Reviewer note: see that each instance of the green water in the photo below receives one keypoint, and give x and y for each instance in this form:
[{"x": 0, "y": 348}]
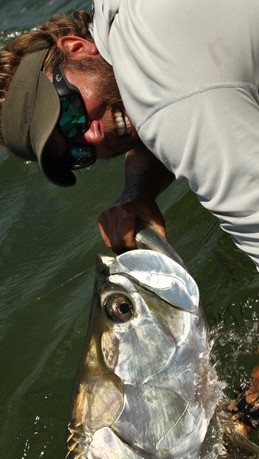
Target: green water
[{"x": 49, "y": 241}]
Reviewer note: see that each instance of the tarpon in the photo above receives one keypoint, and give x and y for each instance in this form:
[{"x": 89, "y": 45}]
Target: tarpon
[{"x": 147, "y": 388}]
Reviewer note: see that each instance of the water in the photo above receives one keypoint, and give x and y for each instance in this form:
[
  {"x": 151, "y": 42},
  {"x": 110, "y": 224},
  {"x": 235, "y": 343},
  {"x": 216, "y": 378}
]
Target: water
[{"x": 49, "y": 241}]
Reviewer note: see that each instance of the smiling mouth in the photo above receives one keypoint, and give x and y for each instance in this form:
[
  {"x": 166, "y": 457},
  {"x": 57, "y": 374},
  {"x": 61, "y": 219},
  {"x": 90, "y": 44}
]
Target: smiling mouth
[{"x": 122, "y": 123}]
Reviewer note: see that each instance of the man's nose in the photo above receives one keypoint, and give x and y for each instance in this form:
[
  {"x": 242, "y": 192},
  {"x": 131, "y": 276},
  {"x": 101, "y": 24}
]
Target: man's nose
[{"x": 93, "y": 135}]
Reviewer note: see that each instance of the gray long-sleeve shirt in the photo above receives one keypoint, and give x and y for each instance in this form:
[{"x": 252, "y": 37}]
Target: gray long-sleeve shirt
[{"x": 188, "y": 73}]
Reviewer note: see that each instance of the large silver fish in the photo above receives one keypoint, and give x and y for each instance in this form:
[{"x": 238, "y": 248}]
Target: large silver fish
[{"x": 147, "y": 388}]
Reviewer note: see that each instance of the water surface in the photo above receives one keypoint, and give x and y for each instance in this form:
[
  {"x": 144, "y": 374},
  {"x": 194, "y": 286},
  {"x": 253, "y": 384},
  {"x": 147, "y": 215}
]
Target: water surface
[{"x": 48, "y": 244}]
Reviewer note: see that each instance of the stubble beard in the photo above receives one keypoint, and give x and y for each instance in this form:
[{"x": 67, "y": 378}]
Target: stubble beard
[{"x": 106, "y": 85}]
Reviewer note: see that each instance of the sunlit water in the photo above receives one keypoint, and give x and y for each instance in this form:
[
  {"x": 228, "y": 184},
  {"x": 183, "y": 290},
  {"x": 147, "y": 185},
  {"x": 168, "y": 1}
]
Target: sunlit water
[{"x": 49, "y": 241}]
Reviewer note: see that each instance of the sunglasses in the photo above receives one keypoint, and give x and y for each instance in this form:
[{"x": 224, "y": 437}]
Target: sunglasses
[{"x": 73, "y": 120}]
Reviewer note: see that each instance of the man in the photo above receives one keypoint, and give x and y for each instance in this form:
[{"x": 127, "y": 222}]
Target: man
[{"x": 187, "y": 106}]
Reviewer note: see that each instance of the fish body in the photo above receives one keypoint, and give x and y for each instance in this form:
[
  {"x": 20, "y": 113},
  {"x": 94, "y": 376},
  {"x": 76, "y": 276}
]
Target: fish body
[{"x": 147, "y": 388}]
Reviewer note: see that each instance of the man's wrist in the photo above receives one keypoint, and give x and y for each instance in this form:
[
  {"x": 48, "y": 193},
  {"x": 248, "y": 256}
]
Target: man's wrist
[{"x": 127, "y": 196}]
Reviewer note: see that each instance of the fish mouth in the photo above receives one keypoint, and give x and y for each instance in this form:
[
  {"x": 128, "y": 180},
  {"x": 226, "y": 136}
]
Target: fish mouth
[
  {"x": 103, "y": 264},
  {"x": 146, "y": 238}
]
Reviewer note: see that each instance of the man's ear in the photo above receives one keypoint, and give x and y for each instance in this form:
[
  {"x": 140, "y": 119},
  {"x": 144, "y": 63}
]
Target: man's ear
[{"x": 77, "y": 47}]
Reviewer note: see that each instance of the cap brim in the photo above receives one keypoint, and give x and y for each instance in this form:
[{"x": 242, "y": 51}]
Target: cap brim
[
  {"x": 44, "y": 120},
  {"x": 30, "y": 114}
]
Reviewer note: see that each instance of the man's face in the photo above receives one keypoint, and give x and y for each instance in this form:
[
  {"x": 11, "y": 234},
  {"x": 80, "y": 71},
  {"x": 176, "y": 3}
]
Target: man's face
[{"x": 109, "y": 131}]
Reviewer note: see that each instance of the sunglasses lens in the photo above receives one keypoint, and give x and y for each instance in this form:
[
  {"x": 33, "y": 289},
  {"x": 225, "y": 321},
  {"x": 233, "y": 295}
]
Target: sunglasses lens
[
  {"x": 73, "y": 120},
  {"x": 82, "y": 156}
]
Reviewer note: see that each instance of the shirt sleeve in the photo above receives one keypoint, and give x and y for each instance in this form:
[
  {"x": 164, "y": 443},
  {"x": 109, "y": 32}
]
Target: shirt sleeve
[
  {"x": 104, "y": 13},
  {"x": 211, "y": 138}
]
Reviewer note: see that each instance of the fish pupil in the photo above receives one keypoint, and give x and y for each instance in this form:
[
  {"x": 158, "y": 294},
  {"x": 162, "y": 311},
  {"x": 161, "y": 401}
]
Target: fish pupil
[{"x": 124, "y": 308}]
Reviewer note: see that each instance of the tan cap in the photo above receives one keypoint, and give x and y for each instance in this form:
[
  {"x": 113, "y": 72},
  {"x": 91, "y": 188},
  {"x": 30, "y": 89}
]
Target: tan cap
[{"x": 30, "y": 114}]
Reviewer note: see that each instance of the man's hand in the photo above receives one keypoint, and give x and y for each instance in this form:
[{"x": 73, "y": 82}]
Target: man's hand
[
  {"x": 118, "y": 225},
  {"x": 145, "y": 178}
]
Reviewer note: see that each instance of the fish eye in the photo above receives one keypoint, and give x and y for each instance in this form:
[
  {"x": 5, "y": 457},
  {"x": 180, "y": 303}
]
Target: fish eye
[{"x": 118, "y": 307}]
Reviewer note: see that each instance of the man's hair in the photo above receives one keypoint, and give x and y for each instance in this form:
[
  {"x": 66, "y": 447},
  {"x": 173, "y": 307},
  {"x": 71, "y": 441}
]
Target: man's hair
[{"x": 43, "y": 36}]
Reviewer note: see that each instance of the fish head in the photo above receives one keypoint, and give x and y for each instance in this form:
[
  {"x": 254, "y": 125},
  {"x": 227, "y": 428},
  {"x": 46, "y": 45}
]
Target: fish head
[
  {"x": 141, "y": 390},
  {"x": 148, "y": 302},
  {"x": 146, "y": 355}
]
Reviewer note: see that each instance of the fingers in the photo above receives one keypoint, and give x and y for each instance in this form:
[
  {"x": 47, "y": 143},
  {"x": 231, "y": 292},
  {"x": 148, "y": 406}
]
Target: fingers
[
  {"x": 117, "y": 228},
  {"x": 152, "y": 217},
  {"x": 118, "y": 225}
]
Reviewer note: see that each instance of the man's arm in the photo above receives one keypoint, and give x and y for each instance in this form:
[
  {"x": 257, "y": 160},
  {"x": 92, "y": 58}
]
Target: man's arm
[{"x": 145, "y": 178}]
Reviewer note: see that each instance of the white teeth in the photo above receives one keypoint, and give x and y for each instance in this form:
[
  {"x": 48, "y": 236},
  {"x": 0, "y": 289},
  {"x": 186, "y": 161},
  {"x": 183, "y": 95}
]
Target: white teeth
[{"x": 122, "y": 124}]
